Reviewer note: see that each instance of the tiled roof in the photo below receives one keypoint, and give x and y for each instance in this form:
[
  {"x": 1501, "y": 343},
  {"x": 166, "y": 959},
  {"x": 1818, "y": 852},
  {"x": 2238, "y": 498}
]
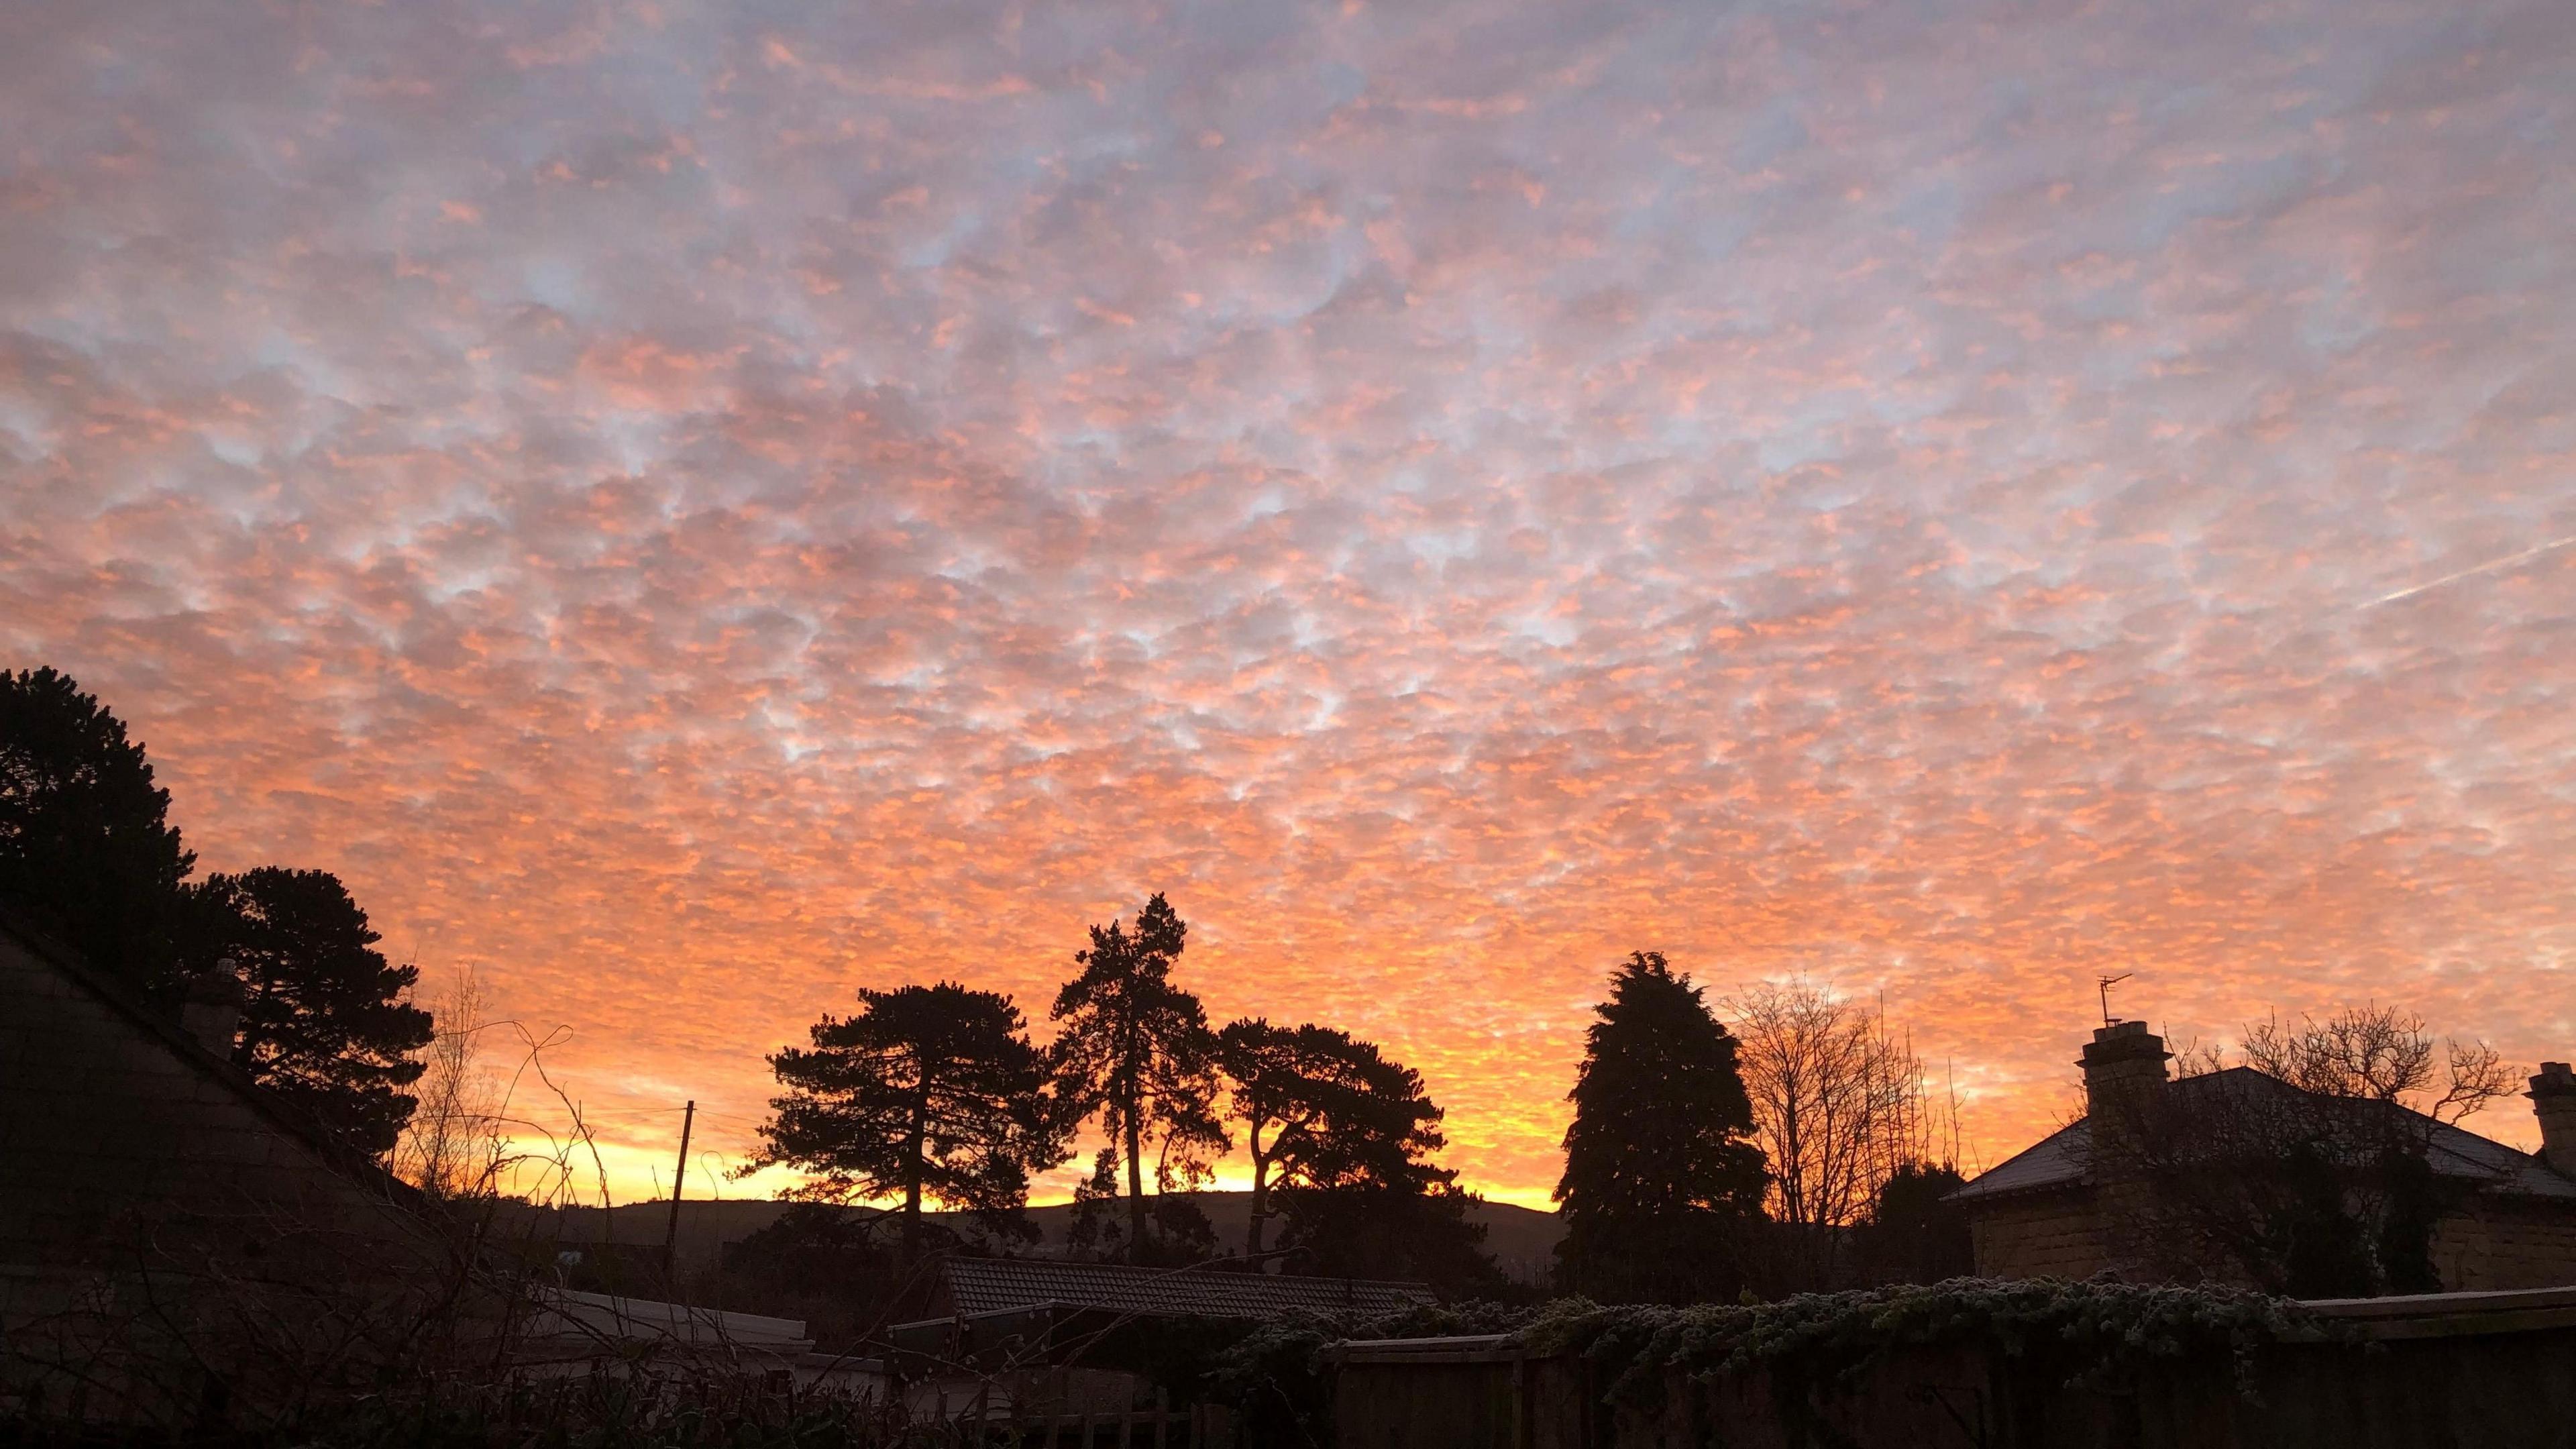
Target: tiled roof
[
  {"x": 2059, "y": 1158},
  {"x": 993, "y": 1285}
]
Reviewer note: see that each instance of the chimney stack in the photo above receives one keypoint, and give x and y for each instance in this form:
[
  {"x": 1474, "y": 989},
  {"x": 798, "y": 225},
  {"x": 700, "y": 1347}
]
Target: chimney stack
[
  {"x": 213, "y": 1009},
  {"x": 2124, "y": 1069},
  {"x": 2124, "y": 1057},
  {"x": 2553, "y": 1101}
]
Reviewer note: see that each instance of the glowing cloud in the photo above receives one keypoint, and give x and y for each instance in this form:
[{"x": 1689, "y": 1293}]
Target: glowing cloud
[{"x": 694, "y": 510}]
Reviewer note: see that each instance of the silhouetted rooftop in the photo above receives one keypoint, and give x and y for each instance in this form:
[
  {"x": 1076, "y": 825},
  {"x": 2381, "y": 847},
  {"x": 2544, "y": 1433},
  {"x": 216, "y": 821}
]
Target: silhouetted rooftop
[
  {"x": 2061, "y": 1158},
  {"x": 995, "y": 1285}
]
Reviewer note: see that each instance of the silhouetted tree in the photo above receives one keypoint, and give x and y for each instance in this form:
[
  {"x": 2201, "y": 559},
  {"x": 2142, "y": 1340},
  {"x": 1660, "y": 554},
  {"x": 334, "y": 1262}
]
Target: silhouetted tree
[
  {"x": 1341, "y": 1139},
  {"x": 456, "y": 1143},
  {"x": 822, "y": 1262},
  {"x": 326, "y": 1023},
  {"x": 1094, "y": 1232},
  {"x": 87, "y": 849},
  {"x": 1658, "y": 1174},
  {"x": 85, "y": 843},
  {"x": 1320, "y": 1108},
  {"x": 1136, "y": 1049},
  {"x": 1916, "y": 1234},
  {"x": 1838, "y": 1108},
  {"x": 928, "y": 1092},
  {"x": 1365, "y": 1230},
  {"x": 1182, "y": 1232}
]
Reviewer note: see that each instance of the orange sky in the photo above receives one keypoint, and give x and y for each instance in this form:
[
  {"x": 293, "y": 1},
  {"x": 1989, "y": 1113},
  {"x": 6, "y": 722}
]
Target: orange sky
[{"x": 691, "y": 515}]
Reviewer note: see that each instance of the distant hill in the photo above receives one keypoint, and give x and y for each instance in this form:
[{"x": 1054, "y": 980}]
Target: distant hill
[{"x": 1521, "y": 1239}]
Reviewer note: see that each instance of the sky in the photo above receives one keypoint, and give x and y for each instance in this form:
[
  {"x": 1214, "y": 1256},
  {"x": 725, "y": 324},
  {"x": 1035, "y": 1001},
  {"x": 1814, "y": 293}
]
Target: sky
[{"x": 694, "y": 511}]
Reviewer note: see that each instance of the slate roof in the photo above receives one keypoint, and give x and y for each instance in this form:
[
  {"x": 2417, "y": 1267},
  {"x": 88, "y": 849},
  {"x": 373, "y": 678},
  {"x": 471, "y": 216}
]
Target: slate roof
[
  {"x": 995, "y": 1285},
  {"x": 2058, "y": 1160}
]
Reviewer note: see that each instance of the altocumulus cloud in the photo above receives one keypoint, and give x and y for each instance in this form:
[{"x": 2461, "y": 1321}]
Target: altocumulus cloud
[{"x": 698, "y": 509}]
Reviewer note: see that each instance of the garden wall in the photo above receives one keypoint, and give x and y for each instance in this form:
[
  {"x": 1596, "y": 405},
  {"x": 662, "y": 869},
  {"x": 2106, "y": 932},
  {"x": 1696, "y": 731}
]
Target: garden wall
[{"x": 2489, "y": 1370}]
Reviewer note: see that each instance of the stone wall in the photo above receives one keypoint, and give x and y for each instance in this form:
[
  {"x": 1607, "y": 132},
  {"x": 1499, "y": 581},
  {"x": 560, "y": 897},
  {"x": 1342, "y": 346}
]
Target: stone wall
[
  {"x": 2495, "y": 1243},
  {"x": 2042, "y": 1235},
  {"x": 2504, "y": 1243}
]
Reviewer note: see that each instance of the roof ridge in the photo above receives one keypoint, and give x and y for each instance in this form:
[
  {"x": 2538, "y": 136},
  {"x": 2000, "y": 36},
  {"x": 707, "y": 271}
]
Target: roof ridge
[{"x": 2056, "y": 1160}]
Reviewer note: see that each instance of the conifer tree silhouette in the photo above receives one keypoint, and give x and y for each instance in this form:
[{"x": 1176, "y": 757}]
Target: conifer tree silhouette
[
  {"x": 928, "y": 1092},
  {"x": 1657, "y": 1168},
  {"x": 1136, "y": 1050},
  {"x": 325, "y": 1024},
  {"x": 86, "y": 847}
]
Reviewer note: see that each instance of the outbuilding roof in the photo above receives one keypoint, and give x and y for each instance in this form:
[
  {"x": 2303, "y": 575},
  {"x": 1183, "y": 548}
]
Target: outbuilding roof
[{"x": 995, "y": 1285}]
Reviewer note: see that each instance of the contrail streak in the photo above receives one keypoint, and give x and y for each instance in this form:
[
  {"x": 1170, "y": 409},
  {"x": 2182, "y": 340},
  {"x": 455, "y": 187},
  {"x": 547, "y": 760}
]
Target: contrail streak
[{"x": 2526, "y": 556}]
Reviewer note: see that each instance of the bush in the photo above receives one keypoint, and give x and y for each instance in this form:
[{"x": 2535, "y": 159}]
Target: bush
[{"x": 2108, "y": 1328}]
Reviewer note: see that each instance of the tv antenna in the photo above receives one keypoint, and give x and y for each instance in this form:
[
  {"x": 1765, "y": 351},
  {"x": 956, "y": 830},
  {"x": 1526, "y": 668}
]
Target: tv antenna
[{"x": 2105, "y": 983}]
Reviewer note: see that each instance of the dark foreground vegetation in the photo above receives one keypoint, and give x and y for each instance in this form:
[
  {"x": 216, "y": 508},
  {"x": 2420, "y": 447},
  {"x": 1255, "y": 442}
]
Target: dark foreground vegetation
[
  {"x": 1276, "y": 1378},
  {"x": 603, "y": 1411}
]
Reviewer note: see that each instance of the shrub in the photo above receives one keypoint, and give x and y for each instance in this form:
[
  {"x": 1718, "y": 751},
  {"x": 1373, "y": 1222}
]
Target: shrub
[{"x": 2108, "y": 1329}]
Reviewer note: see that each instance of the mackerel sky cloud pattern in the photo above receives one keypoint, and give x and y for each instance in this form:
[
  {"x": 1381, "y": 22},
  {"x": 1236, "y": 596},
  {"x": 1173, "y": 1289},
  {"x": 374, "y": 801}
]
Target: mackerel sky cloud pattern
[{"x": 694, "y": 510}]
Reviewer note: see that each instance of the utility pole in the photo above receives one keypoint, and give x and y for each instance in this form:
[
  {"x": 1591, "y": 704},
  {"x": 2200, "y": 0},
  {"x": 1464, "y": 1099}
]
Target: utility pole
[{"x": 671, "y": 1234}]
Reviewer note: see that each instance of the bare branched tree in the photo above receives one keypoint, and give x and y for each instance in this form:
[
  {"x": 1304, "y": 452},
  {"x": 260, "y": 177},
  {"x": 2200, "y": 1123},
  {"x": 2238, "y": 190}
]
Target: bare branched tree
[
  {"x": 1838, "y": 1108},
  {"x": 454, "y": 1144},
  {"x": 2380, "y": 1054},
  {"x": 2310, "y": 1174}
]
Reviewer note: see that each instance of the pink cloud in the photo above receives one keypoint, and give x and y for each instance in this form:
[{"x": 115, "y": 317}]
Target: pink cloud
[{"x": 694, "y": 518}]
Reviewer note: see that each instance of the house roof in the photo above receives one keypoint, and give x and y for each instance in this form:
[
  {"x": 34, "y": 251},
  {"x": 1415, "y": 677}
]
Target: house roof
[
  {"x": 164, "y": 1027},
  {"x": 2060, "y": 1159},
  {"x": 995, "y": 1285}
]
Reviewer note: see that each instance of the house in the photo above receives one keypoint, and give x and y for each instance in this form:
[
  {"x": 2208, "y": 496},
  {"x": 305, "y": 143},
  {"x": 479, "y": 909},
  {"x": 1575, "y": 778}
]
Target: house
[
  {"x": 161, "y": 1216},
  {"x": 2068, "y": 1205}
]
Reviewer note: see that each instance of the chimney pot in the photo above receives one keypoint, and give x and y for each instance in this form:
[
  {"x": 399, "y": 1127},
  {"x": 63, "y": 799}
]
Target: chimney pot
[{"x": 212, "y": 1010}]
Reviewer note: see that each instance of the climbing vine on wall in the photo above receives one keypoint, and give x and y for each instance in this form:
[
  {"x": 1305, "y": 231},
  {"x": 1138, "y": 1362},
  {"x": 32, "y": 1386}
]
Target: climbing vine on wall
[{"x": 2106, "y": 1329}]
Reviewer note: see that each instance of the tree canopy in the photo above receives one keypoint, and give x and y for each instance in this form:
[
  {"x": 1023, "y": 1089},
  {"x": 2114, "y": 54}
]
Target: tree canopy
[
  {"x": 1915, "y": 1233},
  {"x": 1324, "y": 1110},
  {"x": 1657, "y": 1165},
  {"x": 85, "y": 840},
  {"x": 87, "y": 849},
  {"x": 1349, "y": 1163},
  {"x": 326, "y": 1023},
  {"x": 1136, "y": 1050},
  {"x": 927, "y": 1093}
]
